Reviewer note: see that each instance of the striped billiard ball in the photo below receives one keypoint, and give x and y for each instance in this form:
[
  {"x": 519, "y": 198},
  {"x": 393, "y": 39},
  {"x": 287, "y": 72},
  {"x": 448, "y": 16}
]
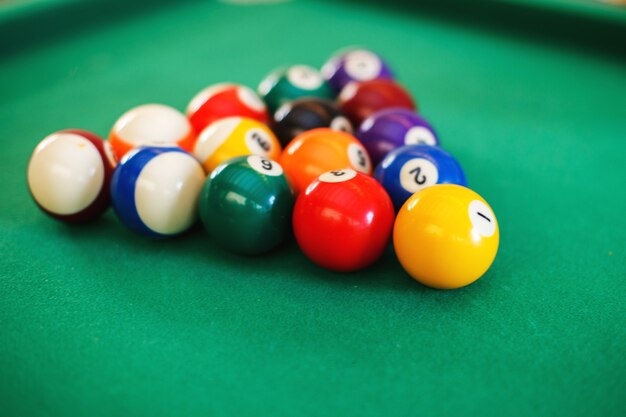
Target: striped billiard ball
[
  {"x": 151, "y": 125},
  {"x": 155, "y": 190},
  {"x": 69, "y": 174},
  {"x": 223, "y": 100}
]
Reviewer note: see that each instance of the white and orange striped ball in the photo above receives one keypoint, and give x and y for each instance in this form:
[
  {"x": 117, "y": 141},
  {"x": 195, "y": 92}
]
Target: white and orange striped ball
[{"x": 151, "y": 125}]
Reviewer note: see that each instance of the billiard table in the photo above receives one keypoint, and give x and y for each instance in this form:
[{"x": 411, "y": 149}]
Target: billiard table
[{"x": 528, "y": 95}]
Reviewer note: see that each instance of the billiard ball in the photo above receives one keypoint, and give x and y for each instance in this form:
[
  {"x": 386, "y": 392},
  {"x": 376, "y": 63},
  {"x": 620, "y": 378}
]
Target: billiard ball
[
  {"x": 68, "y": 175},
  {"x": 446, "y": 236},
  {"x": 388, "y": 129},
  {"x": 409, "y": 169},
  {"x": 354, "y": 65},
  {"x": 151, "y": 125},
  {"x": 155, "y": 190},
  {"x": 343, "y": 220},
  {"x": 319, "y": 150},
  {"x": 234, "y": 136},
  {"x": 246, "y": 205},
  {"x": 225, "y": 100},
  {"x": 287, "y": 84},
  {"x": 359, "y": 100},
  {"x": 304, "y": 114}
]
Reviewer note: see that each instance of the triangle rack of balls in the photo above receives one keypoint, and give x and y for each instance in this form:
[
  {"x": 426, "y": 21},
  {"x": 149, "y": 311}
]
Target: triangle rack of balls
[{"x": 339, "y": 158}]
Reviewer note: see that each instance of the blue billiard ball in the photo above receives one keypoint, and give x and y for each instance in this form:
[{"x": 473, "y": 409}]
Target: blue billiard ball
[
  {"x": 155, "y": 190},
  {"x": 409, "y": 169}
]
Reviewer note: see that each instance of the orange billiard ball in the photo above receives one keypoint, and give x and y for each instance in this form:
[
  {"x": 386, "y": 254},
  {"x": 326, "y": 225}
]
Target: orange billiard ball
[
  {"x": 320, "y": 150},
  {"x": 446, "y": 236}
]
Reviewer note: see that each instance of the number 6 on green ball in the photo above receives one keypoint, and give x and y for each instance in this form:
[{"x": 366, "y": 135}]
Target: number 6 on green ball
[{"x": 246, "y": 205}]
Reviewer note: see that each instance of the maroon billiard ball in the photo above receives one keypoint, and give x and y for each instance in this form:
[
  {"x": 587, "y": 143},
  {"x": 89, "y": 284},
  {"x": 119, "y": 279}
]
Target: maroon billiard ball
[{"x": 359, "y": 100}]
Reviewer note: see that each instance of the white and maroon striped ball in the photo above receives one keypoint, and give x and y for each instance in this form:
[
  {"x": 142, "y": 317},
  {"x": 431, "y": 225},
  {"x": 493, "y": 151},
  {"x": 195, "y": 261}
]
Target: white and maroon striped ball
[{"x": 68, "y": 175}]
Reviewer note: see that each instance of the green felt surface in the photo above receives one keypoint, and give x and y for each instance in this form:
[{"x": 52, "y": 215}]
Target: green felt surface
[{"x": 97, "y": 321}]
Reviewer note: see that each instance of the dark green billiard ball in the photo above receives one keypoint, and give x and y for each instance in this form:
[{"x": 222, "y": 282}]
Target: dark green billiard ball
[
  {"x": 287, "y": 84},
  {"x": 246, "y": 205}
]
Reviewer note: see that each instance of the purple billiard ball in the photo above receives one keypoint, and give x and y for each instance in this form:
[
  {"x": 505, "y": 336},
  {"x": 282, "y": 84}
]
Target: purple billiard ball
[
  {"x": 354, "y": 65},
  {"x": 389, "y": 129}
]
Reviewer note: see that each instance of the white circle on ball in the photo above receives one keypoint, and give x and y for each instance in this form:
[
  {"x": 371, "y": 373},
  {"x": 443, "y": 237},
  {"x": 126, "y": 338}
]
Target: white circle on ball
[
  {"x": 265, "y": 166},
  {"x": 359, "y": 159},
  {"x": 258, "y": 141},
  {"x": 304, "y": 77},
  {"x": 213, "y": 136},
  {"x": 337, "y": 175},
  {"x": 419, "y": 135},
  {"x": 482, "y": 218},
  {"x": 66, "y": 173},
  {"x": 417, "y": 174},
  {"x": 152, "y": 125},
  {"x": 362, "y": 65},
  {"x": 167, "y": 192},
  {"x": 250, "y": 99},
  {"x": 342, "y": 124}
]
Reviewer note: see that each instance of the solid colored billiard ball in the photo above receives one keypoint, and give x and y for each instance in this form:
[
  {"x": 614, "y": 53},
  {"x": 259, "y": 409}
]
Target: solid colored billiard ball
[
  {"x": 246, "y": 205},
  {"x": 354, "y": 65},
  {"x": 225, "y": 100},
  {"x": 409, "y": 169},
  {"x": 446, "y": 236},
  {"x": 319, "y": 150},
  {"x": 155, "y": 190},
  {"x": 234, "y": 136},
  {"x": 68, "y": 175},
  {"x": 304, "y": 114},
  {"x": 343, "y": 220},
  {"x": 388, "y": 129},
  {"x": 287, "y": 84},
  {"x": 151, "y": 125},
  {"x": 359, "y": 100}
]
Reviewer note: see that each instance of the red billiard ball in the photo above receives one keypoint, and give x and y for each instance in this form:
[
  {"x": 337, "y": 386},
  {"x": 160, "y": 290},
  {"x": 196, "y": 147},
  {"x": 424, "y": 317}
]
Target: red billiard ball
[
  {"x": 359, "y": 100},
  {"x": 343, "y": 220},
  {"x": 69, "y": 175},
  {"x": 225, "y": 100}
]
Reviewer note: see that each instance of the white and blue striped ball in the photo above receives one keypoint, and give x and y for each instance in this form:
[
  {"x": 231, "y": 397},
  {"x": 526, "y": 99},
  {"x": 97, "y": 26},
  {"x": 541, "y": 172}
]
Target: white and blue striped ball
[{"x": 155, "y": 190}]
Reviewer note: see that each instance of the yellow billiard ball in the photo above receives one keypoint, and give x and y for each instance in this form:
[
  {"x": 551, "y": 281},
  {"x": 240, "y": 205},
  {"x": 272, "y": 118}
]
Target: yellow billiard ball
[
  {"x": 234, "y": 136},
  {"x": 446, "y": 236}
]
